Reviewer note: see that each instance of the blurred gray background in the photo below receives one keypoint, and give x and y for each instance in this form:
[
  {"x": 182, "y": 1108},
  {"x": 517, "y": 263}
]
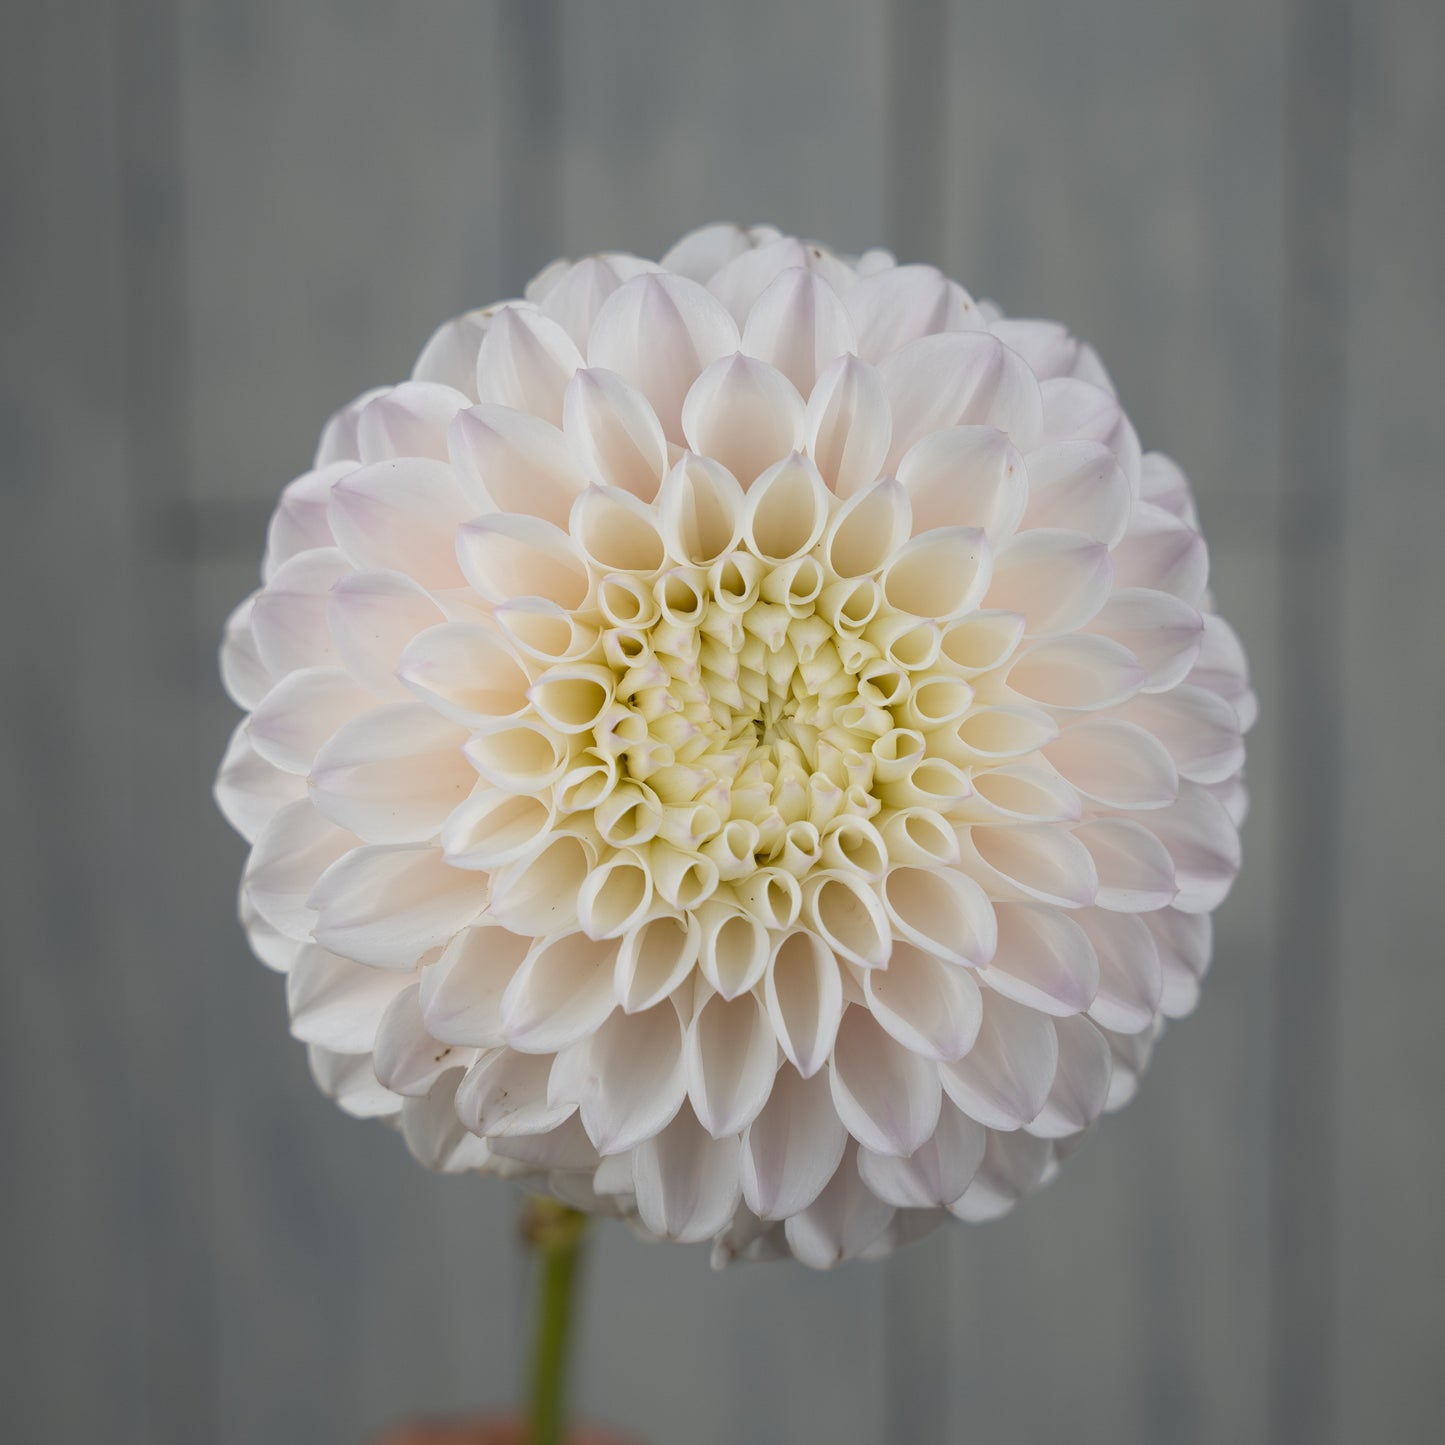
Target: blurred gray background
[{"x": 221, "y": 220}]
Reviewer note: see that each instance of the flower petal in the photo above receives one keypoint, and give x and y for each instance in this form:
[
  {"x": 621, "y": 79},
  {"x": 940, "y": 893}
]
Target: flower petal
[
  {"x": 301, "y": 712},
  {"x": 745, "y": 414},
  {"x": 844, "y": 1220},
  {"x": 401, "y": 516},
  {"x": 1056, "y": 581},
  {"x": 525, "y": 362},
  {"x": 392, "y": 775},
  {"x": 634, "y": 1081},
  {"x": 338, "y": 1003},
  {"x": 848, "y": 425},
  {"x": 505, "y": 1093},
  {"x": 614, "y": 434},
  {"x": 1044, "y": 959},
  {"x": 659, "y": 332},
  {"x": 731, "y": 1056},
  {"x": 799, "y": 325},
  {"x": 804, "y": 994},
  {"x": 1081, "y": 1083},
  {"x": 1005, "y": 1077},
  {"x": 687, "y": 1181},
  {"x": 931, "y": 1007},
  {"x": 388, "y": 905},
  {"x": 898, "y": 305},
  {"x": 793, "y": 1147},
  {"x": 511, "y": 461},
  {"x": 968, "y": 476},
  {"x": 936, "y": 1174},
  {"x": 461, "y": 993},
  {"x": 886, "y": 1095}
]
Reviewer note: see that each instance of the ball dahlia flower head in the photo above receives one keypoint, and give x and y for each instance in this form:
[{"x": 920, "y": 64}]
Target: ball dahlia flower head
[{"x": 741, "y": 741}]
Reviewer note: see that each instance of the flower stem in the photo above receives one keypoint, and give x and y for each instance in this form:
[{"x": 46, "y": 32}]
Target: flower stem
[{"x": 555, "y": 1233}]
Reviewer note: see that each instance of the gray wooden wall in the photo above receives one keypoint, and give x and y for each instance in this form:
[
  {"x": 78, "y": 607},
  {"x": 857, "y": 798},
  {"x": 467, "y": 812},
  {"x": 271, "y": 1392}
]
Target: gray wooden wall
[{"x": 221, "y": 219}]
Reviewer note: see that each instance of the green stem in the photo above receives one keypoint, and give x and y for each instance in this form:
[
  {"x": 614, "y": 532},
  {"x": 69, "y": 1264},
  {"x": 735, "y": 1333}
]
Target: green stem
[{"x": 555, "y": 1233}]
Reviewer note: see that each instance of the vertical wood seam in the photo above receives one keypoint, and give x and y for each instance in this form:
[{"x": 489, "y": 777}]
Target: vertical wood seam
[{"x": 1303, "y": 1227}]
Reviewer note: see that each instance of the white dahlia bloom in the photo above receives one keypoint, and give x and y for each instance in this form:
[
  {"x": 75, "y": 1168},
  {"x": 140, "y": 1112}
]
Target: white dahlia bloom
[{"x": 743, "y": 741}]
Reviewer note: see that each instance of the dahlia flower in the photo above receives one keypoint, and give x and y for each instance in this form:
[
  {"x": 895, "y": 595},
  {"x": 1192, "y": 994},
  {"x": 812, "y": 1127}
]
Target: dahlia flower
[{"x": 743, "y": 741}]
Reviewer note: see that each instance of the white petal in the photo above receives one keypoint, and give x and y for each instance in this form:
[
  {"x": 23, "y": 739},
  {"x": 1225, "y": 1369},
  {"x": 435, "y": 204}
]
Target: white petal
[
  {"x": 249, "y": 790},
  {"x": 392, "y": 775},
  {"x": 687, "y": 1182},
  {"x": 387, "y": 906},
  {"x": 1076, "y": 673},
  {"x": 565, "y": 1148},
  {"x": 561, "y": 993},
  {"x": 407, "y": 1059},
  {"x": 450, "y": 354},
  {"x": 931, "y": 1007},
  {"x": 804, "y": 993},
  {"x": 1202, "y": 840},
  {"x": 867, "y": 529},
  {"x": 525, "y": 362},
  {"x": 1184, "y": 942},
  {"x": 1079, "y": 486},
  {"x": 961, "y": 377},
  {"x": 733, "y": 952},
  {"x": 409, "y": 420},
  {"x": 942, "y": 911},
  {"x": 338, "y": 437},
  {"x": 965, "y": 475},
  {"x": 658, "y": 332},
  {"x": 493, "y": 828},
  {"x": 372, "y": 616},
  {"x": 511, "y": 461},
  {"x": 849, "y": 425},
  {"x": 702, "y": 253},
  {"x": 350, "y": 1080},
  {"x": 1036, "y": 861},
  {"x": 434, "y": 1134},
  {"x": 1164, "y": 633},
  {"x": 616, "y": 532},
  {"x": 745, "y": 414},
  {"x": 1131, "y": 981},
  {"x": 1004, "y": 1079},
  {"x": 700, "y": 510},
  {"x": 506, "y": 557},
  {"x": 1013, "y": 1165},
  {"x": 338, "y": 1003},
  {"x": 1199, "y": 730},
  {"x": 292, "y": 852},
  {"x": 886, "y": 1095},
  {"x": 538, "y": 895},
  {"x": 935, "y": 1175},
  {"x": 1081, "y": 1084},
  {"x": 902, "y": 303},
  {"x": 1115, "y": 763},
  {"x": 845, "y": 1219},
  {"x": 655, "y": 959},
  {"x": 461, "y": 993},
  {"x": 1136, "y": 873},
  {"x": 245, "y": 677},
  {"x": 849, "y": 917},
  {"x": 1055, "y": 580},
  {"x": 505, "y": 1093},
  {"x": 401, "y": 516},
  {"x": 742, "y": 281},
  {"x": 1047, "y": 346},
  {"x": 288, "y": 619},
  {"x": 614, "y": 433},
  {"x": 1162, "y": 553},
  {"x": 731, "y": 1056},
  {"x": 786, "y": 510},
  {"x": 1162, "y": 482},
  {"x": 634, "y": 1081},
  {"x": 1044, "y": 959},
  {"x": 1076, "y": 410},
  {"x": 942, "y": 574},
  {"x": 792, "y": 1149},
  {"x": 467, "y": 673},
  {"x": 799, "y": 325},
  {"x": 304, "y": 709},
  {"x": 579, "y": 291}
]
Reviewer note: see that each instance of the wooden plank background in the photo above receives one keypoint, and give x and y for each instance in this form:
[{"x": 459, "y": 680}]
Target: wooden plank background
[{"x": 221, "y": 219}]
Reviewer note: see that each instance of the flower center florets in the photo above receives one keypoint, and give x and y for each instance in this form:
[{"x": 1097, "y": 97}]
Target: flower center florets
[{"x": 731, "y": 728}]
